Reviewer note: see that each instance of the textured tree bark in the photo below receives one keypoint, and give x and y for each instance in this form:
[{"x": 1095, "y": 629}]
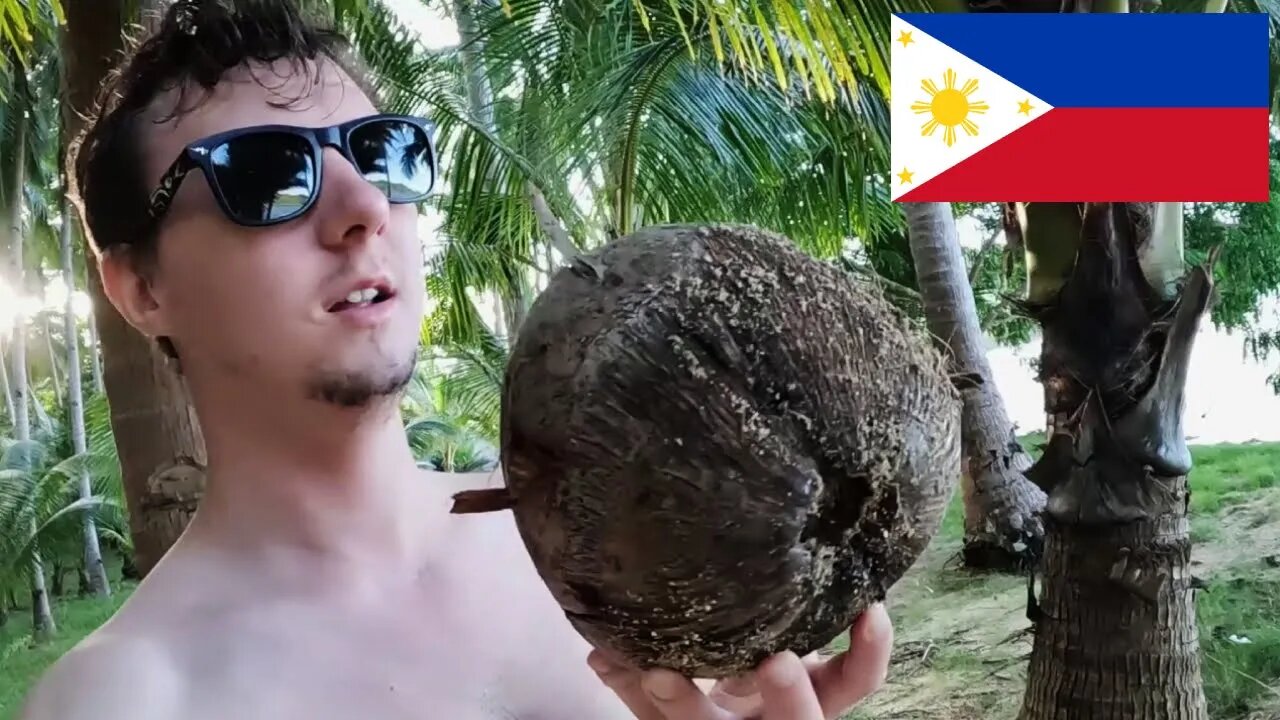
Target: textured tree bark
[
  {"x": 59, "y": 586},
  {"x": 1115, "y": 633},
  {"x": 1002, "y": 524},
  {"x": 162, "y": 455}
]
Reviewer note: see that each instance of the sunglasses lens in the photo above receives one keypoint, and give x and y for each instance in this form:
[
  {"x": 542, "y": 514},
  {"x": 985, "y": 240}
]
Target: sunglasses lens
[
  {"x": 265, "y": 177},
  {"x": 396, "y": 156}
]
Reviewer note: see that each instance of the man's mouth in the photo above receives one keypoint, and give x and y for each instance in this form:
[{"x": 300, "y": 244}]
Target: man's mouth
[{"x": 362, "y": 298}]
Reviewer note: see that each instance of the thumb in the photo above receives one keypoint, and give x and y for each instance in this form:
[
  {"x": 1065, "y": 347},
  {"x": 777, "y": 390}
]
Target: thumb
[
  {"x": 677, "y": 698},
  {"x": 625, "y": 683}
]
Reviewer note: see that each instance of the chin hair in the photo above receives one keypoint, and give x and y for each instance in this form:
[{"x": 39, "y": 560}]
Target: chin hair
[{"x": 363, "y": 389}]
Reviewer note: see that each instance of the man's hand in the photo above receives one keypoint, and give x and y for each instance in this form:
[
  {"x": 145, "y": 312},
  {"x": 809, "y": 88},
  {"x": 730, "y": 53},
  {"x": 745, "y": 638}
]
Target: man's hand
[{"x": 784, "y": 687}]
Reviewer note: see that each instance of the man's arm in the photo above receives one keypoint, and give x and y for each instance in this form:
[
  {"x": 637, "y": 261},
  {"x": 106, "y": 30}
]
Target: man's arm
[{"x": 106, "y": 678}]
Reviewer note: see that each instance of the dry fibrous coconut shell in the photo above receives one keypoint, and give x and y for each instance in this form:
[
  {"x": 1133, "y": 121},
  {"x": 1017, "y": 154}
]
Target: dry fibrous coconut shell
[{"x": 717, "y": 448}]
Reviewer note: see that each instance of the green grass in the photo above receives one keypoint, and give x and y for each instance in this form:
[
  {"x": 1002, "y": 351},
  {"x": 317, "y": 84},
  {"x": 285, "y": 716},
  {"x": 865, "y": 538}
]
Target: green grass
[
  {"x": 974, "y": 670},
  {"x": 1239, "y": 675},
  {"x": 1229, "y": 474},
  {"x": 23, "y": 662}
]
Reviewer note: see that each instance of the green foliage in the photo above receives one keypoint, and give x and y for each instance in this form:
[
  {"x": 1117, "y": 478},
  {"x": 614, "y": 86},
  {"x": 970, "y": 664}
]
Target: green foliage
[
  {"x": 1248, "y": 268},
  {"x": 625, "y": 114},
  {"x": 452, "y": 406},
  {"x": 1247, "y": 275},
  {"x": 1239, "y": 620},
  {"x": 1226, "y": 474},
  {"x": 24, "y": 24},
  {"x": 24, "y": 662},
  {"x": 965, "y": 638},
  {"x": 40, "y": 504}
]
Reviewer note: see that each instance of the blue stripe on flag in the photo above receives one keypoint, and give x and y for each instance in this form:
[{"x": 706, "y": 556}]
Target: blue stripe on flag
[{"x": 1126, "y": 60}]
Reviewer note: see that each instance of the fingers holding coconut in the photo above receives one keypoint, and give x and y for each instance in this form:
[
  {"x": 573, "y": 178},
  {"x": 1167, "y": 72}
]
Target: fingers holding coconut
[
  {"x": 738, "y": 694},
  {"x": 625, "y": 683},
  {"x": 848, "y": 678},
  {"x": 786, "y": 691},
  {"x": 678, "y": 698},
  {"x": 656, "y": 694}
]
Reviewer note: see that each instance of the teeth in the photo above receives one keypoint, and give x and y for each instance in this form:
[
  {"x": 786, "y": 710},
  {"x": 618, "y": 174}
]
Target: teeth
[{"x": 362, "y": 296}]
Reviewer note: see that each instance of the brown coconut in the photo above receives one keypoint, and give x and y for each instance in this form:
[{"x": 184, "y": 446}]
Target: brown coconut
[{"x": 718, "y": 448}]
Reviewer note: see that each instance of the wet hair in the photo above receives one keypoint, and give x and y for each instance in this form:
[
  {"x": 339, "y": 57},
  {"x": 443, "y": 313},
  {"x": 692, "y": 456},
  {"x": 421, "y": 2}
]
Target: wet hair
[{"x": 196, "y": 44}]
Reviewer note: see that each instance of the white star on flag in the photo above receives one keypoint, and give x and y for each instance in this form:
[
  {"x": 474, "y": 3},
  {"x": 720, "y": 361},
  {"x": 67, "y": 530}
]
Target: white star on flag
[{"x": 945, "y": 107}]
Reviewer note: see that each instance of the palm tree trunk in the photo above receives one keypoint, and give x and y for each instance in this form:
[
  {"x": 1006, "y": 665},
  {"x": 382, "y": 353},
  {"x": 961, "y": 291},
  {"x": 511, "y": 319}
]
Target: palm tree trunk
[
  {"x": 1002, "y": 525},
  {"x": 1116, "y": 634},
  {"x": 53, "y": 357},
  {"x": 58, "y": 586},
  {"x": 161, "y": 450},
  {"x": 95, "y": 355},
  {"x": 42, "y": 625},
  {"x": 8, "y": 390},
  {"x": 97, "y": 571},
  {"x": 500, "y": 324},
  {"x": 515, "y": 304}
]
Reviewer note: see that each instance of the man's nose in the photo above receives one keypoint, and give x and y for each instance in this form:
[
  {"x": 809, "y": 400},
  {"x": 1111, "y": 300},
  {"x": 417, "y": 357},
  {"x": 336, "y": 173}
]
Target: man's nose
[{"x": 351, "y": 209}]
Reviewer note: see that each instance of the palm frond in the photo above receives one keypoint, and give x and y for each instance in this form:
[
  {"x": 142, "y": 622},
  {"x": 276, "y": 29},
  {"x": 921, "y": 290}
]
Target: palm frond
[
  {"x": 25, "y": 24},
  {"x": 22, "y": 456},
  {"x": 454, "y": 319},
  {"x": 828, "y": 47}
]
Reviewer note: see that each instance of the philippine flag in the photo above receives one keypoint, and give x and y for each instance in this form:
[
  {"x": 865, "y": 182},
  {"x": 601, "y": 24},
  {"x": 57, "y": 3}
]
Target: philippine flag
[{"x": 1080, "y": 107}]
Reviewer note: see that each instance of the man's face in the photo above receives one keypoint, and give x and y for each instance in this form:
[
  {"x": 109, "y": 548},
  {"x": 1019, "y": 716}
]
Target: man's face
[{"x": 255, "y": 307}]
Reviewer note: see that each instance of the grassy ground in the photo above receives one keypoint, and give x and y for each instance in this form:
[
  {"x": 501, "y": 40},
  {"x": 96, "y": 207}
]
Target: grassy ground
[
  {"x": 21, "y": 663},
  {"x": 962, "y": 640}
]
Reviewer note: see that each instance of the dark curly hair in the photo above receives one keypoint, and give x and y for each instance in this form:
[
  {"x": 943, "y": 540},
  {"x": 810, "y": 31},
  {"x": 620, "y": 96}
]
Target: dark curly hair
[{"x": 196, "y": 44}]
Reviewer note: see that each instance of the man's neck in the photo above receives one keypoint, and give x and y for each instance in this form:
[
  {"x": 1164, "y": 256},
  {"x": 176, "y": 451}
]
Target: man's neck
[{"x": 337, "y": 492}]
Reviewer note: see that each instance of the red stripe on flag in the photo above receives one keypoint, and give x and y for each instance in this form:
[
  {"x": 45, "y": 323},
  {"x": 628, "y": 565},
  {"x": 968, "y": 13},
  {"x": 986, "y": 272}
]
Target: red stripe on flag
[{"x": 1117, "y": 154}]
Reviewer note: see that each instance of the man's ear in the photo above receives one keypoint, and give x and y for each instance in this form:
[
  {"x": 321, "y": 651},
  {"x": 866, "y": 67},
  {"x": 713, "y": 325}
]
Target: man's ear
[{"x": 129, "y": 290}]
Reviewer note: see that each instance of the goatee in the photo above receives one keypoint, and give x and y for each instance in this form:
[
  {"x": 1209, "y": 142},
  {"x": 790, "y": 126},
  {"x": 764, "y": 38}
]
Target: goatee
[{"x": 356, "y": 389}]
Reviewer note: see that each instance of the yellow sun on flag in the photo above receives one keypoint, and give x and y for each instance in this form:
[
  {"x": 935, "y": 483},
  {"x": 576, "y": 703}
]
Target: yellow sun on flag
[{"x": 950, "y": 107}]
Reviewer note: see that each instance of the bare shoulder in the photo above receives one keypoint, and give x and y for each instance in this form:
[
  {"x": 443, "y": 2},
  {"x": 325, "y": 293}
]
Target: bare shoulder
[{"x": 107, "y": 676}]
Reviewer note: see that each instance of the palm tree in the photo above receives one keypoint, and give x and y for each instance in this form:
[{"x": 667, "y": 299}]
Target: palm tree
[
  {"x": 160, "y": 447},
  {"x": 559, "y": 136},
  {"x": 1115, "y": 625},
  {"x": 1116, "y": 348},
  {"x": 41, "y": 503},
  {"x": 1002, "y": 525},
  {"x": 20, "y": 114},
  {"x": 21, "y": 24},
  {"x": 94, "y": 566},
  {"x": 36, "y": 101},
  {"x": 452, "y": 405}
]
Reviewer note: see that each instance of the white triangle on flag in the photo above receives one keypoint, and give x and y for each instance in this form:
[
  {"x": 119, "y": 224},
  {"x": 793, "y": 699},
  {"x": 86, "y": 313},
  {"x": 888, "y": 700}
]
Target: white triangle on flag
[{"x": 995, "y": 107}]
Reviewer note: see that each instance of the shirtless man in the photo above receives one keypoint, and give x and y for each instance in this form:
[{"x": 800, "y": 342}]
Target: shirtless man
[{"x": 323, "y": 576}]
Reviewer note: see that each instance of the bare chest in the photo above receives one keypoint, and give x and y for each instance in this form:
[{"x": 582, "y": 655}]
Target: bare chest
[{"x": 460, "y": 661}]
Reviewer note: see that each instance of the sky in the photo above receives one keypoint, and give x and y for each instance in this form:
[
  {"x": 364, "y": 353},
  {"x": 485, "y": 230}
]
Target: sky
[{"x": 436, "y": 30}]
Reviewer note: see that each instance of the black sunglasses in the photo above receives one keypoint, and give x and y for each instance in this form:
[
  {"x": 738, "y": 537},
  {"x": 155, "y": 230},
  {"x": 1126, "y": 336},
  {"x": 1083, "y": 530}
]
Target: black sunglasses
[{"x": 270, "y": 174}]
